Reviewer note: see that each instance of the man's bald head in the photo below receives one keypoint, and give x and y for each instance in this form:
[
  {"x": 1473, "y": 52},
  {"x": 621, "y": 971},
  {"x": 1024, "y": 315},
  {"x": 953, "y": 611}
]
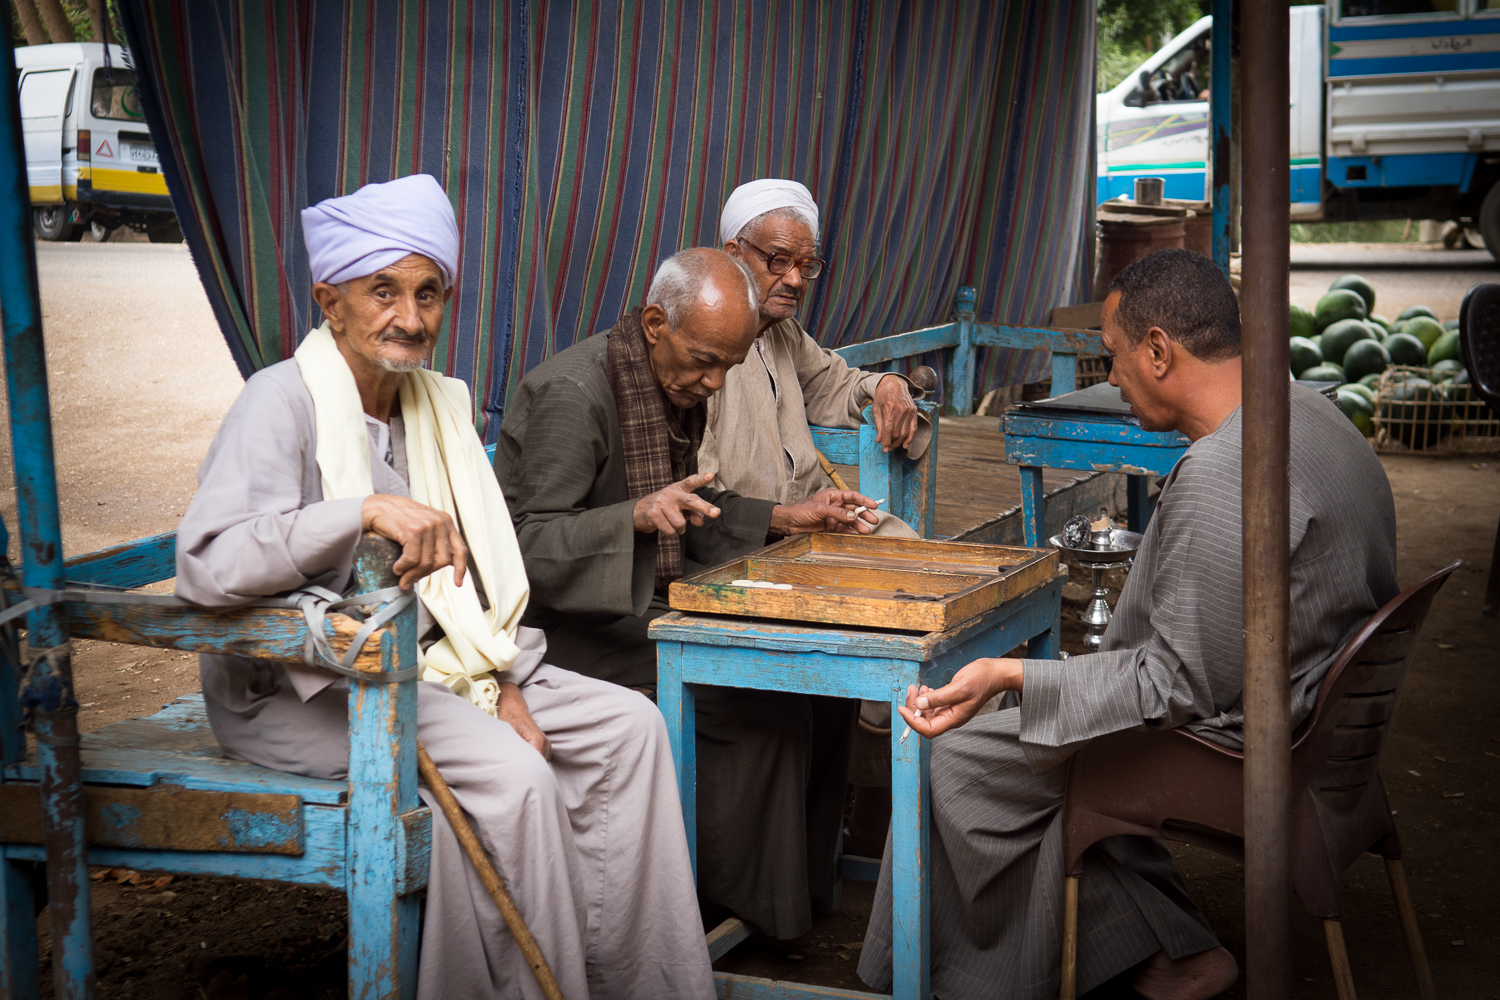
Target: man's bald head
[{"x": 700, "y": 319}]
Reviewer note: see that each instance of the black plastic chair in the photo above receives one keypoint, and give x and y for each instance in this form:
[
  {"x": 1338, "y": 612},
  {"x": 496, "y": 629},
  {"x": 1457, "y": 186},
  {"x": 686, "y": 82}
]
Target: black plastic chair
[{"x": 1479, "y": 339}]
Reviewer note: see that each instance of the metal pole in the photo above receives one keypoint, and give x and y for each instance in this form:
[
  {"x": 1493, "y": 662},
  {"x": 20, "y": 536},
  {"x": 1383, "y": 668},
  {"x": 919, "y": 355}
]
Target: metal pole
[
  {"x": 1267, "y": 498},
  {"x": 48, "y": 693},
  {"x": 1219, "y": 117}
]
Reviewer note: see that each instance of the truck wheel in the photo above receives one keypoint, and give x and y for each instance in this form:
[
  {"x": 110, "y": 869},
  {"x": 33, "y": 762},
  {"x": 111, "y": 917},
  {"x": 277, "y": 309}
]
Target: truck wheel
[
  {"x": 167, "y": 231},
  {"x": 99, "y": 232},
  {"x": 1489, "y": 221},
  {"x": 53, "y": 222}
]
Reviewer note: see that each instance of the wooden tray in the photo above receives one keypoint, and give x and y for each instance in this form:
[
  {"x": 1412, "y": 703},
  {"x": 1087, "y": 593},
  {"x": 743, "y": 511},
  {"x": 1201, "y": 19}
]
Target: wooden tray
[{"x": 900, "y": 583}]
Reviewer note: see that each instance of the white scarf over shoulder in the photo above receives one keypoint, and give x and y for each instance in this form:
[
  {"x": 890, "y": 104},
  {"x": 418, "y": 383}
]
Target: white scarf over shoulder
[{"x": 447, "y": 470}]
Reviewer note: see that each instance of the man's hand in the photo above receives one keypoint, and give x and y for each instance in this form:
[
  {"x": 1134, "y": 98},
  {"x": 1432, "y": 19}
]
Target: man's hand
[
  {"x": 512, "y": 709},
  {"x": 669, "y": 511},
  {"x": 895, "y": 413},
  {"x": 826, "y": 510},
  {"x": 959, "y": 700},
  {"x": 428, "y": 538}
]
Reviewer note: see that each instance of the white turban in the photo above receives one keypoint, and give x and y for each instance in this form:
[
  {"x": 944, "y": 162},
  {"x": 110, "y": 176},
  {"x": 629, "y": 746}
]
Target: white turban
[
  {"x": 358, "y": 234},
  {"x": 749, "y": 201}
]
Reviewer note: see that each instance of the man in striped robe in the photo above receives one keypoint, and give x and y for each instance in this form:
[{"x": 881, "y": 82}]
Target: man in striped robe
[{"x": 1171, "y": 657}]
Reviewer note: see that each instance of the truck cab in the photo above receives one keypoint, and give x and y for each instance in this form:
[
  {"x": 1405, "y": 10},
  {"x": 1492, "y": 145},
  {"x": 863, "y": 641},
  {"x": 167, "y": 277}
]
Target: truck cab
[
  {"x": 90, "y": 160},
  {"x": 1395, "y": 114}
]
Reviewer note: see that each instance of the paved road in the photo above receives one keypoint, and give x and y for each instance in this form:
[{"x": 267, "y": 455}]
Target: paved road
[
  {"x": 140, "y": 378},
  {"x": 1404, "y": 274}
]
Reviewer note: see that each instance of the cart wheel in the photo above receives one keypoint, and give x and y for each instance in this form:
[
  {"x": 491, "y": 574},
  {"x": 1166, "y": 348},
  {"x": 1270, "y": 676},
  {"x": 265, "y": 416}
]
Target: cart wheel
[
  {"x": 54, "y": 223},
  {"x": 99, "y": 232}
]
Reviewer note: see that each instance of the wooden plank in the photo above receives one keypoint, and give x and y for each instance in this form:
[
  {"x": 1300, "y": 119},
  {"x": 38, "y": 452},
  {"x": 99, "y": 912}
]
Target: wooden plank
[
  {"x": 839, "y": 445},
  {"x": 728, "y": 986},
  {"x": 899, "y": 345},
  {"x": 165, "y": 817},
  {"x": 725, "y": 936},
  {"x": 1021, "y": 424},
  {"x": 855, "y": 575},
  {"x": 1133, "y": 460},
  {"x": 323, "y": 861},
  {"x": 260, "y": 633},
  {"x": 127, "y": 566},
  {"x": 1038, "y": 338},
  {"x": 175, "y": 746}
]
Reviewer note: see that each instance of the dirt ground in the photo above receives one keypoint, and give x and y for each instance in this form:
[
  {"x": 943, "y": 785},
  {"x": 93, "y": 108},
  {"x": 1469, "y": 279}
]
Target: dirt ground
[{"x": 140, "y": 380}]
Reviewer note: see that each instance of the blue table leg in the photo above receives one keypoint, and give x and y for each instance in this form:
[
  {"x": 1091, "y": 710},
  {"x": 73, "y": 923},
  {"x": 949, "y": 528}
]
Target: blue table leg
[
  {"x": 911, "y": 928},
  {"x": 18, "y": 957},
  {"x": 1033, "y": 507},
  {"x": 1139, "y": 504},
  {"x": 1048, "y": 644},
  {"x": 675, "y": 700}
]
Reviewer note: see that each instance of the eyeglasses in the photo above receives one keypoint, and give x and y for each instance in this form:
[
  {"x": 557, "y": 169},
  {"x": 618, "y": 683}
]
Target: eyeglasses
[{"x": 781, "y": 262}]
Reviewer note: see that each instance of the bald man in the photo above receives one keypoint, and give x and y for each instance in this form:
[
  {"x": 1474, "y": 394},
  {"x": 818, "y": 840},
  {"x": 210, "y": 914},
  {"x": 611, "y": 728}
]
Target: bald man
[{"x": 597, "y": 456}]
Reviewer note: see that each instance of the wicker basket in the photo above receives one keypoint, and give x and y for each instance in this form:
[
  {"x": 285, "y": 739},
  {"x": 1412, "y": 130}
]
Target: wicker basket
[{"x": 1443, "y": 420}]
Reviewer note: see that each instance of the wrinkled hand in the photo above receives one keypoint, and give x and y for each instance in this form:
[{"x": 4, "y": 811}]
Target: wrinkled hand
[
  {"x": 428, "y": 538},
  {"x": 669, "y": 511},
  {"x": 958, "y": 701},
  {"x": 895, "y": 413},
  {"x": 512, "y": 709},
  {"x": 826, "y": 510}
]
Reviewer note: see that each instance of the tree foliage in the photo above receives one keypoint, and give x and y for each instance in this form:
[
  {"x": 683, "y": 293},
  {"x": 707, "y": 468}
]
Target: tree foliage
[{"x": 1131, "y": 30}]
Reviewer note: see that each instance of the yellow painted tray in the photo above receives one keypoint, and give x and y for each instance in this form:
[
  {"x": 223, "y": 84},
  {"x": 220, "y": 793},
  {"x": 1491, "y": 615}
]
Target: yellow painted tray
[{"x": 901, "y": 583}]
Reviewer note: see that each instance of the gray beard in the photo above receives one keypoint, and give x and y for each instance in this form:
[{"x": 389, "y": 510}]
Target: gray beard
[{"x": 399, "y": 366}]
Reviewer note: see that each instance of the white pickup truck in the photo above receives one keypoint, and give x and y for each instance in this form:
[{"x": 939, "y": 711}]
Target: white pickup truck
[{"x": 1395, "y": 114}]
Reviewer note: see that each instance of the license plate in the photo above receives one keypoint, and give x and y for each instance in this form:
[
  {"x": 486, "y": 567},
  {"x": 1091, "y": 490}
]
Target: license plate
[{"x": 142, "y": 154}]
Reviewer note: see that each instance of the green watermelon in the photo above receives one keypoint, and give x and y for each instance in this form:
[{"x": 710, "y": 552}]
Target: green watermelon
[
  {"x": 1450, "y": 324},
  {"x": 1383, "y": 323},
  {"x": 1341, "y": 303},
  {"x": 1355, "y": 283},
  {"x": 1325, "y": 372},
  {"x": 1300, "y": 322},
  {"x": 1339, "y": 337},
  {"x": 1411, "y": 311},
  {"x": 1369, "y": 381},
  {"x": 1446, "y": 369},
  {"x": 1425, "y": 329},
  {"x": 1357, "y": 408},
  {"x": 1445, "y": 349},
  {"x": 1304, "y": 355},
  {"x": 1413, "y": 413},
  {"x": 1365, "y": 357},
  {"x": 1405, "y": 349},
  {"x": 1361, "y": 388}
]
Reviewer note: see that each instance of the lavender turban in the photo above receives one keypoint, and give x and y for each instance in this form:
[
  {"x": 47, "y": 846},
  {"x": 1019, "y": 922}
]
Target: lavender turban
[{"x": 358, "y": 234}]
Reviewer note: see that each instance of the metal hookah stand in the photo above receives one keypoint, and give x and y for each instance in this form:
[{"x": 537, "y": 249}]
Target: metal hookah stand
[{"x": 1103, "y": 551}]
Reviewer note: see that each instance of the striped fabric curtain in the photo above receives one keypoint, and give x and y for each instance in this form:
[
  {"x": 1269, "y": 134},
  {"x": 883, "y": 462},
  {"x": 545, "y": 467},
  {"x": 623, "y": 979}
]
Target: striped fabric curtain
[{"x": 947, "y": 143}]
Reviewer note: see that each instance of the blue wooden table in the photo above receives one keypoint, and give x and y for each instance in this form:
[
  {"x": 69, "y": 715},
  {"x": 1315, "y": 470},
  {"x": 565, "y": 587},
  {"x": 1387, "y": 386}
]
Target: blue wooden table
[
  {"x": 1036, "y": 439},
  {"x": 846, "y": 663}
]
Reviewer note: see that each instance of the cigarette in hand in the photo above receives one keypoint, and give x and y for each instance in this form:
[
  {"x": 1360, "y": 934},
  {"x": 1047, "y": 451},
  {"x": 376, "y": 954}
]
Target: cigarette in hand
[
  {"x": 907, "y": 731},
  {"x": 860, "y": 510}
]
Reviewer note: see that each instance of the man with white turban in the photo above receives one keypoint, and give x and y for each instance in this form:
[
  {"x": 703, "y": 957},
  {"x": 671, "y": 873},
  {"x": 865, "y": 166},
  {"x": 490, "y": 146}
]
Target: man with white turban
[
  {"x": 567, "y": 780},
  {"x": 759, "y": 443},
  {"x": 758, "y": 440}
]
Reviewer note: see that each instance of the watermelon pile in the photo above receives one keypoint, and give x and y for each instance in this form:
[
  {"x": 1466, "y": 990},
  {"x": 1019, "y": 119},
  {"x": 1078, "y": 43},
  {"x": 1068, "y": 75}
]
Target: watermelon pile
[{"x": 1343, "y": 339}]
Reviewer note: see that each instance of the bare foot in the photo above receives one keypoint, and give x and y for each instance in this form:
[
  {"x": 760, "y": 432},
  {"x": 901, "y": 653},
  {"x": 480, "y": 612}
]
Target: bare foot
[{"x": 1192, "y": 977}]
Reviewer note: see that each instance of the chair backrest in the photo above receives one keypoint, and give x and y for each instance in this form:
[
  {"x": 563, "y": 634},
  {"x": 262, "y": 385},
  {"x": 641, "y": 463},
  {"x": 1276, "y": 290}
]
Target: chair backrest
[
  {"x": 1479, "y": 340},
  {"x": 1338, "y": 752}
]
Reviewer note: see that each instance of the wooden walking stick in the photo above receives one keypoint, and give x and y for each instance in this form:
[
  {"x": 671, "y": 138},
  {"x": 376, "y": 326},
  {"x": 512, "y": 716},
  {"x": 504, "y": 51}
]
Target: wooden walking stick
[{"x": 481, "y": 862}]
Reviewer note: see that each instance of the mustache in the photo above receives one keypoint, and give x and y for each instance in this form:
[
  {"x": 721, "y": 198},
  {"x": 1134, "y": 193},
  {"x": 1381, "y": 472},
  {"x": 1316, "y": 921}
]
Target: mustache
[{"x": 418, "y": 337}]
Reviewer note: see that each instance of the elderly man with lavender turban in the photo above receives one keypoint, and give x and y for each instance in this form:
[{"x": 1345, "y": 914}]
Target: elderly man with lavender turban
[{"x": 567, "y": 780}]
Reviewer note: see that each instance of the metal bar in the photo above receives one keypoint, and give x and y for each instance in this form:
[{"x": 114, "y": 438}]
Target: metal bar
[
  {"x": 49, "y": 686},
  {"x": 1266, "y": 499},
  {"x": 1219, "y": 114}
]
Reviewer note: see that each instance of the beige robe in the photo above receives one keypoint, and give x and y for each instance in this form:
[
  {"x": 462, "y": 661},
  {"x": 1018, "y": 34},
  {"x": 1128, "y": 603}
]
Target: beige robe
[{"x": 758, "y": 440}]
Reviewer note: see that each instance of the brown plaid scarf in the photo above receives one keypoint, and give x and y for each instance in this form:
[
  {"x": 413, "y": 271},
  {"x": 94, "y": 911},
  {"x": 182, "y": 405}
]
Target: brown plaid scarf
[{"x": 661, "y": 440}]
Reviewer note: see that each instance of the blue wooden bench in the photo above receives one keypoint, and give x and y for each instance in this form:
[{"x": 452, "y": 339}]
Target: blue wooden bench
[{"x": 159, "y": 794}]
